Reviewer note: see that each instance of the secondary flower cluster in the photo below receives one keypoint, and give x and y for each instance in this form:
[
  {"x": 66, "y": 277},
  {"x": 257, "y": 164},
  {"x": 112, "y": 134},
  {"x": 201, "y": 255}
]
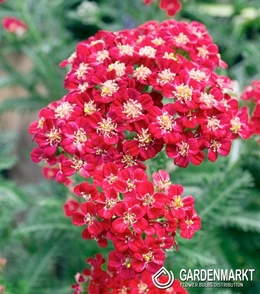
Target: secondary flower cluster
[
  {"x": 14, "y": 25},
  {"x": 170, "y": 6},
  {"x": 99, "y": 281},
  {"x": 135, "y": 91},
  {"x": 141, "y": 218},
  {"x": 252, "y": 93}
]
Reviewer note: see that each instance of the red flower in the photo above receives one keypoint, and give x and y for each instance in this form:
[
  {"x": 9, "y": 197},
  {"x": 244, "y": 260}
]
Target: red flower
[
  {"x": 178, "y": 205},
  {"x": 161, "y": 180},
  {"x": 129, "y": 217},
  {"x": 66, "y": 169},
  {"x": 14, "y": 25},
  {"x": 50, "y": 172},
  {"x": 239, "y": 123},
  {"x": 38, "y": 155},
  {"x": 108, "y": 201},
  {"x": 131, "y": 107},
  {"x": 110, "y": 127},
  {"x": 171, "y": 6},
  {"x": 149, "y": 258},
  {"x": 127, "y": 240},
  {"x": 88, "y": 217},
  {"x": 143, "y": 284},
  {"x": 122, "y": 262},
  {"x": 70, "y": 206},
  {"x": 217, "y": 146},
  {"x": 164, "y": 125},
  {"x": 185, "y": 150},
  {"x": 190, "y": 224},
  {"x": 75, "y": 136},
  {"x": 131, "y": 178},
  {"x": 152, "y": 203},
  {"x": 87, "y": 191},
  {"x": 108, "y": 178},
  {"x": 143, "y": 144}
]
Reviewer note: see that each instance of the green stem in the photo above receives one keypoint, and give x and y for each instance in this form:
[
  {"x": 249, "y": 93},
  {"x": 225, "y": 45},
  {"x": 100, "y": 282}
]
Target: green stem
[{"x": 27, "y": 18}]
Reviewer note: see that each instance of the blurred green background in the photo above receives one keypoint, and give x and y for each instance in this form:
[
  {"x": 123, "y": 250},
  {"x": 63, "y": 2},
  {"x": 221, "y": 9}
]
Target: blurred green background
[{"x": 42, "y": 248}]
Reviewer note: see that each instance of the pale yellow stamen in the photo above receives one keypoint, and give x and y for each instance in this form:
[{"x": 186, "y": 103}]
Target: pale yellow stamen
[
  {"x": 90, "y": 107},
  {"x": 102, "y": 55},
  {"x": 108, "y": 88},
  {"x": 235, "y": 125},
  {"x": 132, "y": 109},
  {"x": 63, "y": 110},
  {"x": 54, "y": 136},
  {"x": 125, "y": 49},
  {"x": 80, "y": 136},
  {"x": 147, "y": 51},
  {"x": 213, "y": 123},
  {"x": 165, "y": 76},
  {"x": 181, "y": 39},
  {"x": 183, "y": 149},
  {"x": 142, "y": 72},
  {"x": 144, "y": 138},
  {"x": 166, "y": 121},
  {"x": 183, "y": 92},
  {"x": 106, "y": 127}
]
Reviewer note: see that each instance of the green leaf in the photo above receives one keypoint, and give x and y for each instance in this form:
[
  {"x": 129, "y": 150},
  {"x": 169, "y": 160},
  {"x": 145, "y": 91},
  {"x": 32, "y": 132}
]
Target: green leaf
[
  {"x": 246, "y": 222},
  {"x": 10, "y": 193},
  {"x": 199, "y": 257},
  {"x": 38, "y": 263}
]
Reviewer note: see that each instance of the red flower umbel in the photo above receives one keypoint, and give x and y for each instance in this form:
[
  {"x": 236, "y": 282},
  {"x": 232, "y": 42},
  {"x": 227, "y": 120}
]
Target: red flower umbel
[
  {"x": 131, "y": 95},
  {"x": 134, "y": 92}
]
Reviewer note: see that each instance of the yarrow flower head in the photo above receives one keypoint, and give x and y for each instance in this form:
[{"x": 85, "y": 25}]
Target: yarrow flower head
[
  {"x": 132, "y": 94},
  {"x": 141, "y": 225},
  {"x": 135, "y": 91},
  {"x": 100, "y": 281}
]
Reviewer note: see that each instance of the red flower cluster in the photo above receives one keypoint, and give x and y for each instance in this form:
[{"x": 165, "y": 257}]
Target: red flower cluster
[
  {"x": 252, "y": 93},
  {"x": 170, "y": 6},
  {"x": 14, "y": 25},
  {"x": 134, "y": 92},
  {"x": 139, "y": 217},
  {"x": 100, "y": 281}
]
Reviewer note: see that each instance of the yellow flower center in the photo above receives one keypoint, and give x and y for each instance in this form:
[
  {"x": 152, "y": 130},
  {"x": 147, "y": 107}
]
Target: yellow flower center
[
  {"x": 183, "y": 149},
  {"x": 235, "y": 125},
  {"x": 106, "y": 127}
]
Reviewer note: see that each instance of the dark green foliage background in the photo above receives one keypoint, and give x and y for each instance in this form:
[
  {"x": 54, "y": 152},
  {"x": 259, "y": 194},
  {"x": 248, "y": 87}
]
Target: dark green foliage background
[{"x": 43, "y": 249}]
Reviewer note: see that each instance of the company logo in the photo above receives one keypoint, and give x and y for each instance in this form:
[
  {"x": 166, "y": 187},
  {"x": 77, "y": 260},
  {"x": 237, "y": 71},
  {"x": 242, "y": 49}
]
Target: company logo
[{"x": 168, "y": 283}]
